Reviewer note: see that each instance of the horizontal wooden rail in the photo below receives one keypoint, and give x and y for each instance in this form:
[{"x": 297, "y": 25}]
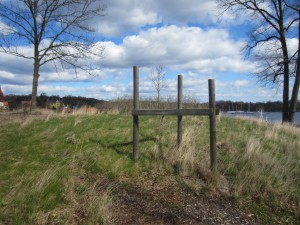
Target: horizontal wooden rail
[
  {"x": 179, "y": 112},
  {"x": 173, "y": 112}
]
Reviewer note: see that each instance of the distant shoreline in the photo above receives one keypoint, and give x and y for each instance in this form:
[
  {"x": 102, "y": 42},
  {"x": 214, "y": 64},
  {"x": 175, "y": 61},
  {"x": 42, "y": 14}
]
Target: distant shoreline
[{"x": 271, "y": 117}]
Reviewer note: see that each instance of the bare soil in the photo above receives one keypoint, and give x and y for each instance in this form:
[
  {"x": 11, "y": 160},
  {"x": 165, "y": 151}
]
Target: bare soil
[{"x": 165, "y": 202}]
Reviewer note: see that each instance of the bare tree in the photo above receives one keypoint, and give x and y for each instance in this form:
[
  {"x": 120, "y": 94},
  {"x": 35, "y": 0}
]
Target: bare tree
[
  {"x": 293, "y": 105},
  {"x": 157, "y": 77},
  {"x": 275, "y": 23},
  {"x": 57, "y": 30}
]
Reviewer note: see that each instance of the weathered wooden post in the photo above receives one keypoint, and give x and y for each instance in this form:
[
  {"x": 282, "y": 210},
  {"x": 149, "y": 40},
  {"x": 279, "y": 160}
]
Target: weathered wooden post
[
  {"x": 212, "y": 124},
  {"x": 135, "y": 117},
  {"x": 179, "y": 112},
  {"x": 179, "y": 106}
]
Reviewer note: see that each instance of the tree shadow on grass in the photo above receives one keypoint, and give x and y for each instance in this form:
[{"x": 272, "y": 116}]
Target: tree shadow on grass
[{"x": 119, "y": 147}]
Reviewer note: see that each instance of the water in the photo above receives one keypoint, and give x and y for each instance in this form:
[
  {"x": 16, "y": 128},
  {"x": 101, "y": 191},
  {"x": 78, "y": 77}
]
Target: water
[{"x": 272, "y": 117}]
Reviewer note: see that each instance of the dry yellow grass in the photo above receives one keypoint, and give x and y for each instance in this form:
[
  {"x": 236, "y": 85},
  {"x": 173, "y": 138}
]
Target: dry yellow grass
[{"x": 254, "y": 159}]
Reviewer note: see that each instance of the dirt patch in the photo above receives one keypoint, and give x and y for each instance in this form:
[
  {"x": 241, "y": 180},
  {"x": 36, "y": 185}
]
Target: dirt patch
[
  {"x": 161, "y": 200},
  {"x": 165, "y": 202}
]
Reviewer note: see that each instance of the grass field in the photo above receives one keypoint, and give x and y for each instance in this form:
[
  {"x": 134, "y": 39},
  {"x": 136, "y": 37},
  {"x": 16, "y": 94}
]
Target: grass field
[{"x": 69, "y": 169}]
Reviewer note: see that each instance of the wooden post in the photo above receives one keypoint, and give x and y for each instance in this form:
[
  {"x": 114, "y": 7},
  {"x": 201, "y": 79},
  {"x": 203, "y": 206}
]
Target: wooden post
[
  {"x": 179, "y": 106},
  {"x": 212, "y": 124},
  {"x": 179, "y": 112},
  {"x": 135, "y": 117}
]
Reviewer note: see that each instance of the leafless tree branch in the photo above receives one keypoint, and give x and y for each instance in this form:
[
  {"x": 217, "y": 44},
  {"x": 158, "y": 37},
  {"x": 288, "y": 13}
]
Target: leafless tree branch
[
  {"x": 157, "y": 77},
  {"x": 58, "y": 31},
  {"x": 268, "y": 42}
]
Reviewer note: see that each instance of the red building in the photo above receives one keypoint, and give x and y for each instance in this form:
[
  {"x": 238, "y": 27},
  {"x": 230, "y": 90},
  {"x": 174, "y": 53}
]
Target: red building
[{"x": 1, "y": 94}]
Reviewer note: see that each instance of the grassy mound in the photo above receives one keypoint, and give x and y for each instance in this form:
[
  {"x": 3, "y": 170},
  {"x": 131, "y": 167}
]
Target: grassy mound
[{"x": 63, "y": 170}]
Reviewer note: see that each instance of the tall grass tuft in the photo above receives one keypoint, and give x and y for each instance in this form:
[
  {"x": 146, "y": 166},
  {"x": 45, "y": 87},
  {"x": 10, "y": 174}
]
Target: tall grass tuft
[{"x": 264, "y": 163}]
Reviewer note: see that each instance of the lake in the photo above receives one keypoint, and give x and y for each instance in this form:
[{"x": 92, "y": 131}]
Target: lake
[{"x": 272, "y": 117}]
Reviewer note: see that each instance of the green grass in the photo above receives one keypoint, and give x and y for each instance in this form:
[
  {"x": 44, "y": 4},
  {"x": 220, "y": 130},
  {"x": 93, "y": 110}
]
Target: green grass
[{"x": 50, "y": 169}]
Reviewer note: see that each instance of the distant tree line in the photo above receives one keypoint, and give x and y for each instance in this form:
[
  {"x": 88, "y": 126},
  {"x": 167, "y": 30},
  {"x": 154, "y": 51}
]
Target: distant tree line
[
  {"x": 275, "y": 106},
  {"x": 79, "y": 101},
  {"x": 71, "y": 101}
]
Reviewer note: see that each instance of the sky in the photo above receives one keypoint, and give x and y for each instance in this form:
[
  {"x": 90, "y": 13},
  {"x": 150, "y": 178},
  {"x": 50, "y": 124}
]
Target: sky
[{"x": 189, "y": 37}]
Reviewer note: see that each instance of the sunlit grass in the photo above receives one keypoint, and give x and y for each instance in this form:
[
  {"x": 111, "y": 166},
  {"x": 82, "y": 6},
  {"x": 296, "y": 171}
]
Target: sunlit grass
[{"x": 61, "y": 169}]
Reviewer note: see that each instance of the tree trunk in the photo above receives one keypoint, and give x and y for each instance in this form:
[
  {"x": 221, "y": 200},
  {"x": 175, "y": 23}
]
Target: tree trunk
[
  {"x": 293, "y": 106},
  {"x": 35, "y": 84},
  {"x": 285, "y": 97},
  {"x": 286, "y": 80},
  {"x": 36, "y": 68},
  {"x": 286, "y": 72},
  {"x": 36, "y": 65}
]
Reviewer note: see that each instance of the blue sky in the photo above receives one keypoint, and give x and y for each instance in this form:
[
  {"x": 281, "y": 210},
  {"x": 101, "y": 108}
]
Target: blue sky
[{"x": 186, "y": 36}]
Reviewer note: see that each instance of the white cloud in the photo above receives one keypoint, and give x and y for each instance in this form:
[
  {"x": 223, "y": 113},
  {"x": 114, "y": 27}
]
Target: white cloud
[
  {"x": 292, "y": 44},
  {"x": 182, "y": 11},
  {"x": 108, "y": 88},
  {"x": 58, "y": 89},
  {"x": 188, "y": 48},
  {"x": 16, "y": 89},
  {"x": 16, "y": 65},
  {"x": 240, "y": 83},
  {"x": 124, "y": 16},
  {"x": 114, "y": 56},
  {"x": 5, "y": 30}
]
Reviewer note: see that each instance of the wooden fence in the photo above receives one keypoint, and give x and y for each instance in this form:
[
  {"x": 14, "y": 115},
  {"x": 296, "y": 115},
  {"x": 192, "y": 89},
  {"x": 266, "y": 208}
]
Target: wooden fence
[{"x": 179, "y": 112}]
